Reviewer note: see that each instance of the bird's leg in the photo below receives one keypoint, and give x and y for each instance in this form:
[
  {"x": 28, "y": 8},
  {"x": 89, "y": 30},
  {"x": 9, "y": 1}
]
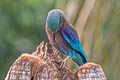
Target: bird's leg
[{"x": 64, "y": 62}]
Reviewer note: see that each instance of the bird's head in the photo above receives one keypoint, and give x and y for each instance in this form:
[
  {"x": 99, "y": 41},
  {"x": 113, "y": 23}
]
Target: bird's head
[{"x": 53, "y": 19}]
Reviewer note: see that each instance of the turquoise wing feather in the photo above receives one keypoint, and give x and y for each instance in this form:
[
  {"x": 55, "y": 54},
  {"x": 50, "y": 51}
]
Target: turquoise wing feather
[{"x": 70, "y": 36}]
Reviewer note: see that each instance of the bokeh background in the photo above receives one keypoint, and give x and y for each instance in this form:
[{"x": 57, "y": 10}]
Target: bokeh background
[{"x": 22, "y": 24}]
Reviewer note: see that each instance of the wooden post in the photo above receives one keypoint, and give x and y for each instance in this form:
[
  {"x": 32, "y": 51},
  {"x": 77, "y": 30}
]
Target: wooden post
[{"x": 44, "y": 64}]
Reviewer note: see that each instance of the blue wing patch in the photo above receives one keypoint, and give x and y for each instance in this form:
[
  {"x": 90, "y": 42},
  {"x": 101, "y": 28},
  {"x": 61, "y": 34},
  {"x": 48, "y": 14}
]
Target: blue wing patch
[{"x": 73, "y": 40}]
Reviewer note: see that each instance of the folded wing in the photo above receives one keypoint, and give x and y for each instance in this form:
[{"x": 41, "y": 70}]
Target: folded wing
[{"x": 70, "y": 36}]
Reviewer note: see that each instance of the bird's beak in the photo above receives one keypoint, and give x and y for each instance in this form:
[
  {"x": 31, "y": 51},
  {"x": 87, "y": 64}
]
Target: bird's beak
[{"x": 54, "y": 34}]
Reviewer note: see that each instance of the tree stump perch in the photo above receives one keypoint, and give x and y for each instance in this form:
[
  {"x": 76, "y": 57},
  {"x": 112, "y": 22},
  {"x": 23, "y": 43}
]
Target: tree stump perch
[{"x": 44, "y": 64}]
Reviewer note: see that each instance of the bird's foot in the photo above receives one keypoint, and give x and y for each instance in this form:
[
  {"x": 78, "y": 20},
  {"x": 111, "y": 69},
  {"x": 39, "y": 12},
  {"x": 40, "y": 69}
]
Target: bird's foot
[
  {"x": 55, "y": 51},
  {"x": 64, "y": 62}
]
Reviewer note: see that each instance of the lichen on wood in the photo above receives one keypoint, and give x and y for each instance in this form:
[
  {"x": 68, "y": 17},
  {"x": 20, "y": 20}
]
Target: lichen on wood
[{"x": 44, "y": 64}]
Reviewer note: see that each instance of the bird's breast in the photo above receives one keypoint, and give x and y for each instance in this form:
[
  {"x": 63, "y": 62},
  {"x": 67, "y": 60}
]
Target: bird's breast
[
  {"x": 58, "y": 42},
  {"x": 50, "y": 36}
]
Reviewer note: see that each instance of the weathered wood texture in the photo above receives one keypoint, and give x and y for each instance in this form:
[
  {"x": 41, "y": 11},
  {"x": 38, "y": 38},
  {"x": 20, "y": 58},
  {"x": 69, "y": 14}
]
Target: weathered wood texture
[{"x": 44, "y": 64}]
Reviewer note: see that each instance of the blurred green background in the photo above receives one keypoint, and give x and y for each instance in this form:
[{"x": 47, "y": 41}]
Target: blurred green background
[{"x": 22, "y": 25}]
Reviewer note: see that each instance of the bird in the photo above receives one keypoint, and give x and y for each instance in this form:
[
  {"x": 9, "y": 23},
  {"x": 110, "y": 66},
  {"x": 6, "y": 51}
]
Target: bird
[{"x": 63, "y": 36}]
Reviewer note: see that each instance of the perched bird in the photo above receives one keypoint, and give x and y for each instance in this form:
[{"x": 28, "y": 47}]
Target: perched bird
[{"x": 64, "y": 37}]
